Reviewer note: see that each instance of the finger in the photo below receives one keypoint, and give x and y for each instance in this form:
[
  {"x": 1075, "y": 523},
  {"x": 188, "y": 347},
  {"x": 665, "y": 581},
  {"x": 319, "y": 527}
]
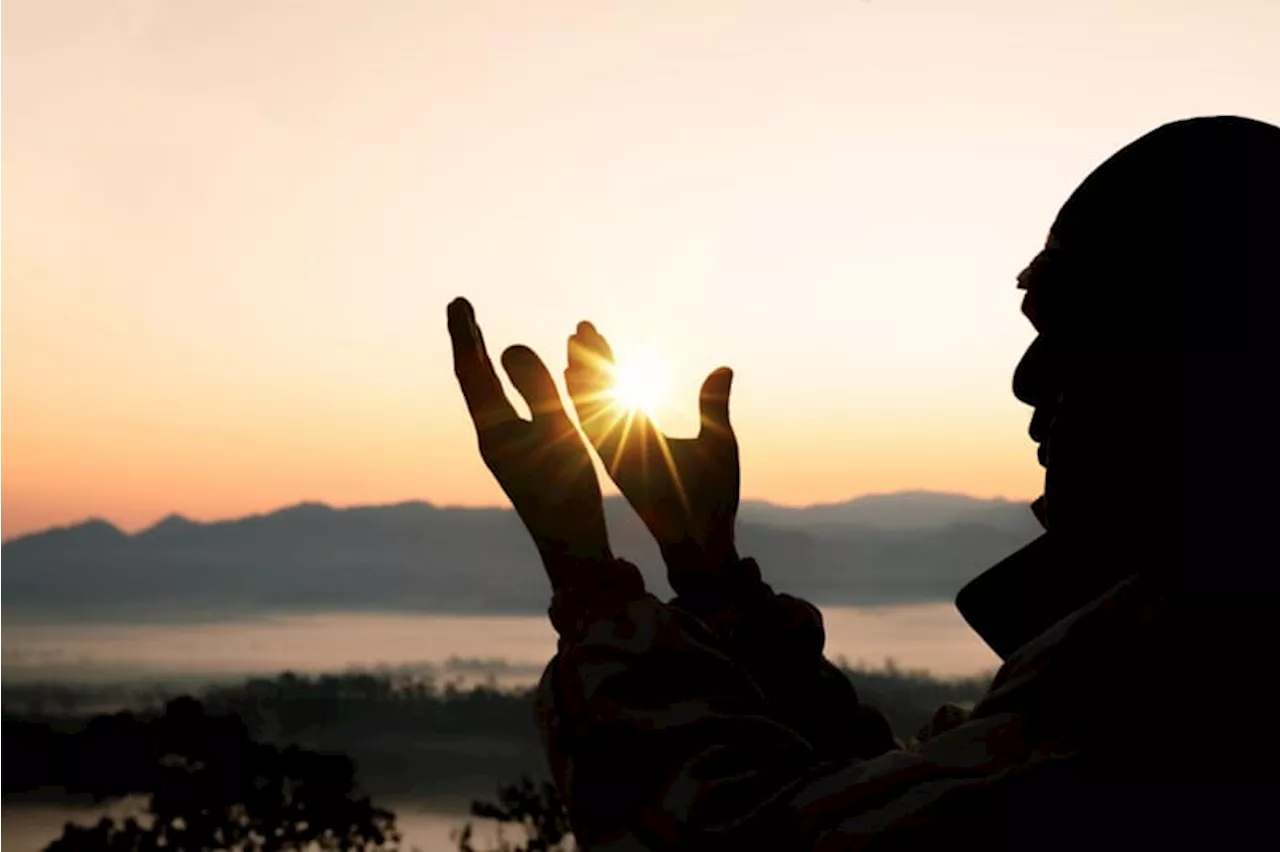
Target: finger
[
  {"x": 589, "y": 377},
  {"x": 531, "y": 378},
  {"x": 713, "y": 402},
  {"x": 595, "y": 340},
  {"x": 619, "y": 436},
  {"x": 590, "y": 358},
  {"x": 481, "y": 388}
]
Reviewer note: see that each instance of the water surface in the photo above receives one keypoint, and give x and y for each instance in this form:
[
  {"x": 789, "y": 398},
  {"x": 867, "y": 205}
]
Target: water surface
[
  {"x": 924, "y": 636},
  {"x": 919, "y": 636}
]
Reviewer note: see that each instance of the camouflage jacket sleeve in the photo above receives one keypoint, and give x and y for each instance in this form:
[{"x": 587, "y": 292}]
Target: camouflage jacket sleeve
[{"x": 659, "y": 739}]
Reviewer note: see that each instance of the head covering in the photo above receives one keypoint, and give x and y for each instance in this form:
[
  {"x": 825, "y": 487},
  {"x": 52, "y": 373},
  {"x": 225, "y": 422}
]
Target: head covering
[{"x": 1172, "y": 241}]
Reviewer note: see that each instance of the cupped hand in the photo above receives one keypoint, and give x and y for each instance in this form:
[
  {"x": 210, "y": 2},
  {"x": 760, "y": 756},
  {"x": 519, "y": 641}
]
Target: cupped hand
[
  {"x": 542, "y": 464},
  {"x": 684, "y": 489}
]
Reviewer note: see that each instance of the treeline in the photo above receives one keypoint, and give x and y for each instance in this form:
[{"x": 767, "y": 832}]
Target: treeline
[
  {"x": 408, "y": 736},
  {"x": 209, "y": 785}
]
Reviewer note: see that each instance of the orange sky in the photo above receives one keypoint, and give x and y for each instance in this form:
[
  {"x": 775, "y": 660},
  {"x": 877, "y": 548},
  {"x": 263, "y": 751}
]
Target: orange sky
[{"x": 233, "y": 227}]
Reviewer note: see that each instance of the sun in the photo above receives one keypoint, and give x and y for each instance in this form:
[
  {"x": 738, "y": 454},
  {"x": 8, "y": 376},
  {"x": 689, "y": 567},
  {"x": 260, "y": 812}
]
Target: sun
[{"x": 639, "y": 384}]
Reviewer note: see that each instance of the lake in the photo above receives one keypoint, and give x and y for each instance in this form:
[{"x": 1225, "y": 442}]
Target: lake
[
  {"x": 918, "y": 636},
  {"x": 507, "y": 649}
]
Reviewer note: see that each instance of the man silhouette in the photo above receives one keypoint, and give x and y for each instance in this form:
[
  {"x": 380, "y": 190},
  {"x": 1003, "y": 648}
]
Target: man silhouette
[{"x": 714, "y": 722}]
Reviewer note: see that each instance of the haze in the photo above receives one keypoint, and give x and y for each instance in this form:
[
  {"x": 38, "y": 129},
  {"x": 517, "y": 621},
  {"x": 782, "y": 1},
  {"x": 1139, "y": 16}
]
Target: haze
[{"x": 233, "y": 227}]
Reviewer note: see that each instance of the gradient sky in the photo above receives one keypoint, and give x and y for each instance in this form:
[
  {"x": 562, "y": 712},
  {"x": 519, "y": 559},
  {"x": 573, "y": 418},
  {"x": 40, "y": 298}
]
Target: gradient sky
[{"x": 232, "y": 227}]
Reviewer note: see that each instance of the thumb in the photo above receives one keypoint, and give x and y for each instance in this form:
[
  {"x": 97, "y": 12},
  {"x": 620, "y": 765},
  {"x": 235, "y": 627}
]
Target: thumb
[
  {"x": 713, "y": 401},
  {"x": 533, "y": 380}
]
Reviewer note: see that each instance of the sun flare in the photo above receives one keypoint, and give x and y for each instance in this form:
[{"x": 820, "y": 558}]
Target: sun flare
[{"x": 639, "y": 384}]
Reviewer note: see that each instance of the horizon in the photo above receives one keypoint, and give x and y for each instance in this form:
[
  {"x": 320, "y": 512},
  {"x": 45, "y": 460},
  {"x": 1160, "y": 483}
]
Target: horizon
[
  {"x": 234, "y": 229},
  {"x": 133, "y": 530}
]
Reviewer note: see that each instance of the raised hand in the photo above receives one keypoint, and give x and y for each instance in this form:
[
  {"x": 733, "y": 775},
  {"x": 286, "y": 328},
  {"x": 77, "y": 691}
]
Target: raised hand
[
  {"x": 684, "y": 489},
  {"x": 542, "y": 464}
]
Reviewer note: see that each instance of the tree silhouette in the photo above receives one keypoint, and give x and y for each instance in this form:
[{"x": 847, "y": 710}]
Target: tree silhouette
[
  {"x": 211, "y": 786},
  {"x": 536, "y": 809},
  {"x": 402, "y": 728}
]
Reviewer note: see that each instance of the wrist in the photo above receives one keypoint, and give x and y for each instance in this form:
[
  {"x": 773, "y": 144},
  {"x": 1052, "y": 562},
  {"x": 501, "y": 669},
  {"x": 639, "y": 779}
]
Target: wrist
[
  {"x": 589, "y": 595},
  {"x": 719, "y": 587},
  {"x": 563, "y": 562}
]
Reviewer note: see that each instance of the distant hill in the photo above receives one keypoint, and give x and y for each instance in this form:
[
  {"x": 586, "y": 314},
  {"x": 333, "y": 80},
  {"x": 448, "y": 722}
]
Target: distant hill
[
  {"x": 903, "y": 510},
  {"x": 419, "y": 557}
]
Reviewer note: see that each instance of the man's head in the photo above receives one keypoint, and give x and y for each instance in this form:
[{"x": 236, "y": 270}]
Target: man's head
[{"x": 1154, "y": 301}]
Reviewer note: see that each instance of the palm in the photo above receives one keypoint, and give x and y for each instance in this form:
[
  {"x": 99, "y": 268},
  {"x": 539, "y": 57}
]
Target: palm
[
  {"x": 684, "y": 489},
  {"x": 546, "y": 472},
  {"x": 542, "y": 464}
]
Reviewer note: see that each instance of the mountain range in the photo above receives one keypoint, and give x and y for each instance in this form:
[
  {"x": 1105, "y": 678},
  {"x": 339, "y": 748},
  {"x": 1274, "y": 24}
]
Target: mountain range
[{"x": 891, "y": 548}]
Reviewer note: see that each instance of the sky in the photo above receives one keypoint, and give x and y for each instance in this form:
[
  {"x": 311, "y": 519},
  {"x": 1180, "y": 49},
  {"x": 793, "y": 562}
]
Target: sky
[{"x": 232, "y": 228}]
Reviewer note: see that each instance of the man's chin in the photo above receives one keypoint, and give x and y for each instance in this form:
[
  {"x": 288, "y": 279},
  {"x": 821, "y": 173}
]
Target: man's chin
[{"x": 1040, "y": 508}]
